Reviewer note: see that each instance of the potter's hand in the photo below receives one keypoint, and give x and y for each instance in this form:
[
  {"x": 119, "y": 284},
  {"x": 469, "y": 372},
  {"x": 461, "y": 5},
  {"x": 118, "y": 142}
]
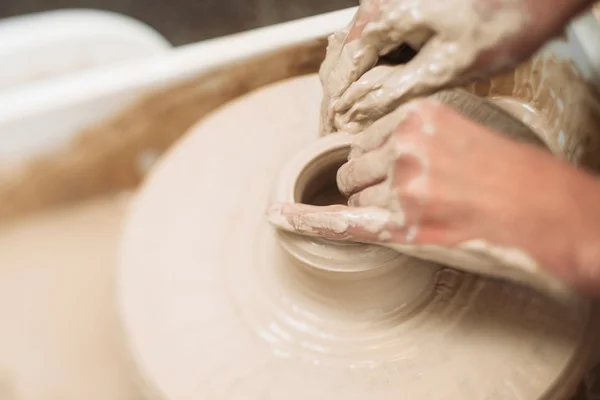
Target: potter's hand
[
  {"x": 459, "y": 41},
  {"x": 426, "y": 175}
]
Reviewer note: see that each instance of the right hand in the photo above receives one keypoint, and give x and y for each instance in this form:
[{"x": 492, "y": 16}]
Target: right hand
[
  {"x": 458, "y": 41},
  {"x": 428, "y": 182}
]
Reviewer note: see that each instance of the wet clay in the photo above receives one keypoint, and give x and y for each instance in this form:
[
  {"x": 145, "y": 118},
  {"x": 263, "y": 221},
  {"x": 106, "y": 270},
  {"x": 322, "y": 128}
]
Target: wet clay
[
  {"x": 356, "y": 94},
  {"x": 546, "y": 93},
  {"x": 218, "y": 304},
  {"x": 474, "y": 256},
  {"x": 554, "y": 100},
  {"x": 59, "y": 336},
  {"x": 490, "y": 115}
]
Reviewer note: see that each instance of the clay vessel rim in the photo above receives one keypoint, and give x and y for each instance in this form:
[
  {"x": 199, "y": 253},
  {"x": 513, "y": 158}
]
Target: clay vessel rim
[{"x": 319, "y": 253}]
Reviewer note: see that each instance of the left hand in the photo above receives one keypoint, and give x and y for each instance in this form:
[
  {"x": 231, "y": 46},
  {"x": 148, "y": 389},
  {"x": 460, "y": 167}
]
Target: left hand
[
  {"x": 426, "y": 175},
  {"x": 484, "y": 38}
]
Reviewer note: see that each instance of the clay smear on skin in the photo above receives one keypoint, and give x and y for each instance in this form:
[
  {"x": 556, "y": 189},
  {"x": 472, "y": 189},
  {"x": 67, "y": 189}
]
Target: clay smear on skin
[
  {"x": 543, "y": 83},
  {"x": 264, "y": 326},
  {"x": 506, "y": 262},
  {"x": 444, "y": 67},
  {"x": 337, "y": 223}
]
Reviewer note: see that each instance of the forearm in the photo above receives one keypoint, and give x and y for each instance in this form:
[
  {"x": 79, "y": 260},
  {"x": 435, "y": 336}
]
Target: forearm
[
  {"x": 580, "y": 234},
  {"x": 548, "y": 19},
  {"x": 586, "y": 268}
]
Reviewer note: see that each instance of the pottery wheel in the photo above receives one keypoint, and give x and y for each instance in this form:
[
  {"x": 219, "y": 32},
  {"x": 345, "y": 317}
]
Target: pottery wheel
[{"x": 214, "y": 308}]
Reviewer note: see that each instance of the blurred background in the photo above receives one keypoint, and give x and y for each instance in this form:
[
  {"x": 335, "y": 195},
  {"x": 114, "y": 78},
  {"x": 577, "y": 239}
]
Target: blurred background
[{"x": 187, "y": 21}]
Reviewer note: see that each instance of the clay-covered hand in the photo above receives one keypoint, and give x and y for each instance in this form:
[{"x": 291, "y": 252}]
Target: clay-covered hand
[
  {"x": 425, "y": 175},
  {"x": 458, "y": 41}
]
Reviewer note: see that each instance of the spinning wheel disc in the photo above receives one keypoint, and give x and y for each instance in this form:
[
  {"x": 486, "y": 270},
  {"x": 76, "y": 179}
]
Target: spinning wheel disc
[{"x": 214, "y": 308}]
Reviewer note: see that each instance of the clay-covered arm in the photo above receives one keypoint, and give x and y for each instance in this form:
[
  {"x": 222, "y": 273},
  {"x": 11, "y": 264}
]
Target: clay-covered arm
[
  {"x": 458, "y": 40},
  {"x": 425, "y": 175}
]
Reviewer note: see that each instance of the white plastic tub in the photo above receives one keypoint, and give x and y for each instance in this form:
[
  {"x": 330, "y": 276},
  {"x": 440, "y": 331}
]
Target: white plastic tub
[
  {"x": 45, "y": 45},
  {"x": 42, "y": 117}
]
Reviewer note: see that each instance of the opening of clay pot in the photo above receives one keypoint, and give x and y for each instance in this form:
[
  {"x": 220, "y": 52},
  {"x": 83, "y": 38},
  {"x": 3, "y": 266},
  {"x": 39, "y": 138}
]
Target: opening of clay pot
[
  {"x": 310, "y": 178},
  {"x": 316, "y": 184}
]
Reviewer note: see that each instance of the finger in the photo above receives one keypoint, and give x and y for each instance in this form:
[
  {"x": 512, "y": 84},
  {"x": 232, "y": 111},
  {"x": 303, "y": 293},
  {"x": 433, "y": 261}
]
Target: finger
[
  {"x": 370, "y": 81},
  {"x": 372, "y": 196},
  {"x": 375, "y": 38},
  {"x": 325, "y": 124},
  {"x": 332, "y": 54},
  {"x": 368, "y": 11},
  {"x": 361, "y": 172},
  {"x": 384, "y": 40},
  {"x": 418, "y": 78},
  {"x": 341, "y": 124},
  {"x": 354, "y": 60},
  {"x": 377, "y": 134},
  {"x": 334, "y": 47},
  {"x": 366, "y": 225},
  {"x": 338, "y": 73}
]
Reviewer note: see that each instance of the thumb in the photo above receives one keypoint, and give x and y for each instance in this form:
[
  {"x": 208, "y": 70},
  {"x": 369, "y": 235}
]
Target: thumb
[{"x": 337, "y": 222}]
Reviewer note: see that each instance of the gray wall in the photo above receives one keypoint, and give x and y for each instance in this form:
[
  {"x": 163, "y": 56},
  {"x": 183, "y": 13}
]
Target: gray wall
[{"x": 185, "y": 21}]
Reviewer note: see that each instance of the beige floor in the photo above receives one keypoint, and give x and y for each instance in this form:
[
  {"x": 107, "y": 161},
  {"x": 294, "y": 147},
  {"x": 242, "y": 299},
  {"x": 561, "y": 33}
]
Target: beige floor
[{"x": 59, "y": 338}]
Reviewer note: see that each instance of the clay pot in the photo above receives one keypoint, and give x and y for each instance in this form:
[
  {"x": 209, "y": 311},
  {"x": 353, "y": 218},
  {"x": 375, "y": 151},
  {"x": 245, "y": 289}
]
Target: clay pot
[
  {"x": 218, "y": 304},
  {"x": 309, "y": 178}
]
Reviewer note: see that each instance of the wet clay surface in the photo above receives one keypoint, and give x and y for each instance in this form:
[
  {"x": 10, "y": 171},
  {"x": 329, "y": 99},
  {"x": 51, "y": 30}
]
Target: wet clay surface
[
  {"x": 59, "y": 336},
  {"x": 551, "y": 97},
  {"x": 452, "y": 51},
  {"x": 490, "y": 115},
  {"x": 214, "y": 305},
  {"x": 548, "y": 94}
]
